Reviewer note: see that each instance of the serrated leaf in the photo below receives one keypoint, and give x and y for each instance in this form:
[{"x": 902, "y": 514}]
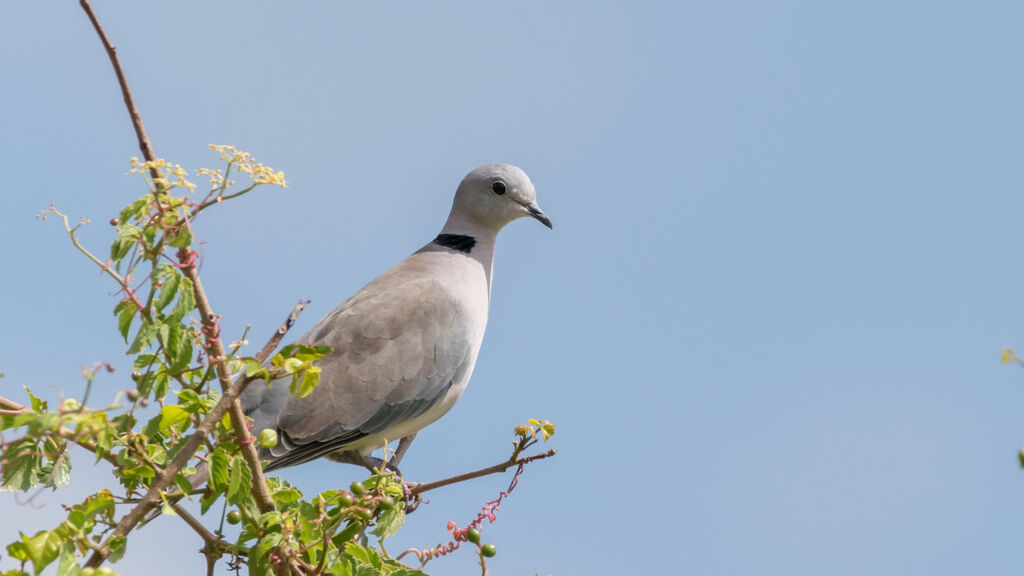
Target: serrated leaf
[
  {"x": 267, "y": 543},
  {"x": 389, "y": 522},
  {"x": 189, "y": 401},
  {"x": 22, "y": 465},
  {"x": 183, "y": 357},
  {"x": 143, "y": 338},
  {"x": 125, "y": 312},
  {"x": 168, "y": 291},
  {"x": 161, "y": 383},
  {"x": 60, "y": 471},
  {"x": 218, "y": 463},
  {"x": 286, "y": 496},
  {"x": 182, "y": 238},
  {"x": 346, "y": 566},
  {"x": 363, "y": 555},
  {"x": 239, "y": 480},
  {"x": 186, "y": 301},
  {"x": 136, "y": 209},
  {"x": 127, "y": 236}
]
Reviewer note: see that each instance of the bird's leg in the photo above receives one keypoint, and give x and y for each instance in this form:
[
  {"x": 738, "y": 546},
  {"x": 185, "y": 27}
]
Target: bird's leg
[
  {"x": 411, "y": 502},
  {"x": 403, "y": 445}
]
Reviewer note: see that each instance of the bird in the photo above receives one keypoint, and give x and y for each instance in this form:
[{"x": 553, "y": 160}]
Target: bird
[{"x": 404, "y": 346}]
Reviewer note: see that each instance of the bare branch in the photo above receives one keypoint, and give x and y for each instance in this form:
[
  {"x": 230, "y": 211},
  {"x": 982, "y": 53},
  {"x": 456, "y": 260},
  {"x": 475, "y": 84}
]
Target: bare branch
[
  {"x": 497, "y": 468},
  {"x": 140, "y": 132},
  {"x": 271, "y": 344}
]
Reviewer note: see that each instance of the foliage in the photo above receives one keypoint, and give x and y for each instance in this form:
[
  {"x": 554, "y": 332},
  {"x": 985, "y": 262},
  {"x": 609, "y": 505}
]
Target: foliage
[{"x": 183, "y": 371}]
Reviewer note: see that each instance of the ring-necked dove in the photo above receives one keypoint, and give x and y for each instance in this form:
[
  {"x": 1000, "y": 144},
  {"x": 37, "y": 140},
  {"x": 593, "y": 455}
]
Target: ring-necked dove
[{"x": 404, "y": 345}]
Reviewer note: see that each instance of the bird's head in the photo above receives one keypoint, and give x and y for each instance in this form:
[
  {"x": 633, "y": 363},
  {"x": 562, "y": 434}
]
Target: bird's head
[{"x": 494, "y": 195}]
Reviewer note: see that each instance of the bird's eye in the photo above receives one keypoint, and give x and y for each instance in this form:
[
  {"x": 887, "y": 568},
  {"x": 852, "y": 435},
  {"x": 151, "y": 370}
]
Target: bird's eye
[{"x": 498, "y": 188}]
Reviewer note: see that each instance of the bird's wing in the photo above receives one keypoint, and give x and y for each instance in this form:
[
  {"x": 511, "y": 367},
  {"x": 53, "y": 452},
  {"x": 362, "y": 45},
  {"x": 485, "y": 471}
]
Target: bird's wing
[{"x": 397, "y": 346}]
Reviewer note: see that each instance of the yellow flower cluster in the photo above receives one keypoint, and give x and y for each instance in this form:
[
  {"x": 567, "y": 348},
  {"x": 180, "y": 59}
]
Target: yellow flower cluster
[
  {"x": 244, "y": 162},
  {"x": 164, "y": 171}
]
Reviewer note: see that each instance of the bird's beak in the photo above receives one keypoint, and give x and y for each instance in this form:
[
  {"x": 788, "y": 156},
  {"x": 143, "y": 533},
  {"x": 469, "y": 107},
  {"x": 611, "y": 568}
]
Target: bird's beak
[{"x": 537, "y": 213}]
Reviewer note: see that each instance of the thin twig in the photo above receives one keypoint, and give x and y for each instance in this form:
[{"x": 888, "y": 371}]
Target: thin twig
[
  {"x": 271, "y": 344},
  {"x": 144, "y": 145},
  {"x": 497, "y": 468},
  {"x": 212, "y": 542},
  {"x": 64, "y": 433}
]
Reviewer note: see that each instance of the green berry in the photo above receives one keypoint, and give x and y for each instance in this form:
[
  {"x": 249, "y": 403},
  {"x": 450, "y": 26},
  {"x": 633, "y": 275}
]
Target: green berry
[
  {"x": 488, "y": 550},
  {"x": 357, "y": 488},
  {"x": 473, "y": 535},
  {"x": 362, "y": 513},
  {"x": 267, "y": 438},
  {"x": 345, "y": 499},
  {"x": 234, "y": 517}
]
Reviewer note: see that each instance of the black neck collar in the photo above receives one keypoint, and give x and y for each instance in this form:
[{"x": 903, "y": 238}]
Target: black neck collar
[{"x": 460, "y": 242}]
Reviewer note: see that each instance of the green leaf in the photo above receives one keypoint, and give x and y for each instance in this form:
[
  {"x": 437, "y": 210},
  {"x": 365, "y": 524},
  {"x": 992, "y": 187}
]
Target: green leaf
[
  {"x": 389, "y": 521},
  {"x": 363, "y": 554},
  {"x": 143, "y": 338},
  {"x": 42, "y": 548},
  {"x": 60, "y": 470},
  {"x": 310, "y": 378},
  {"x": 125, "y": 311},
  {"x": 136, "y": 209},
  {"x": 68, "y": 566},
  {"x": 22, "y": 465},
  {"x": 218, "y": 463},
  {"x": 189, "y": 401},
  {"x": 347, "y": 534},
  {"x": 267, "y": 543},
  {"x": 171, "y": 415},
  {"x": 286, "y": 496},
  {"x": 82, "y": 517},
  {"x": 292, "y": 365},
  {"x": 117, "y": 546},
  {"x": 18, "y": 551},
  {"x": 168, "y": 291},
  {"x": 184, "y": 355},
  {"x": 127, "y": 236},
  {"x": 186, "y": 301},
  {"x": 182, "y": 238},
  {"x": 239, "y": 480},
  {"x": 346, "y": 566},
  {"x": 37, "y": 404}
]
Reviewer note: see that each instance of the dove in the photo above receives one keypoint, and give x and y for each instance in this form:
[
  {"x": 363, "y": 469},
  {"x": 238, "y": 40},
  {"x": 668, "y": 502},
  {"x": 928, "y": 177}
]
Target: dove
[{"x": 404, "y": 346}]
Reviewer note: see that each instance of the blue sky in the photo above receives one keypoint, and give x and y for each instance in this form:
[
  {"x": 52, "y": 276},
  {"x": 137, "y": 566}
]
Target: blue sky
[{"x": 767, "y": 321}]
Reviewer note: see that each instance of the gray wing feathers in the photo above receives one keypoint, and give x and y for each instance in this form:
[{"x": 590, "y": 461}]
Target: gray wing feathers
[{"x": 396, "y": 349}]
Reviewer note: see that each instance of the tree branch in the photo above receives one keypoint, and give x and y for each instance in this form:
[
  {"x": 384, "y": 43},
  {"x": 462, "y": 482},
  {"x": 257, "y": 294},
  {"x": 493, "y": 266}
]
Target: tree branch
[
  {"x": 144, "y": 145},
  {"x": 497, "y": 468},
  {"x": 271, "y": 344},
  {"x": 62, "y": 432}
]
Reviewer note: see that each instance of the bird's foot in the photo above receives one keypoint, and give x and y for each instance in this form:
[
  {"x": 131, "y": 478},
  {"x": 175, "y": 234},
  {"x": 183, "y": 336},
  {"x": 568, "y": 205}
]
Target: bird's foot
[{"x": 411, "y": 499}]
